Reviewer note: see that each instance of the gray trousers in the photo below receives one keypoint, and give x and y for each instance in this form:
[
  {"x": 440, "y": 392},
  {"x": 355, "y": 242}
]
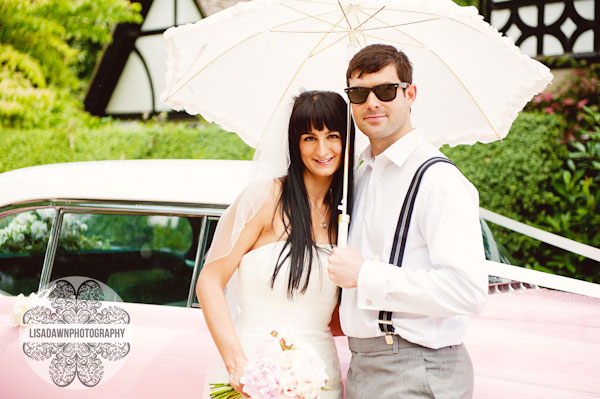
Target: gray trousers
[{"x": 406, "y": 370}]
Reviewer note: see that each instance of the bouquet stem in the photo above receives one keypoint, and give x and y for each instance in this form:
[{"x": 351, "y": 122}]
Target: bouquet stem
[{"x": 223, "y": 391}]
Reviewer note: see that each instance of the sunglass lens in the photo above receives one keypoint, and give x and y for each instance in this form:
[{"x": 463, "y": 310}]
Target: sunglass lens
[
  {"x": 385, "y": 92},
  {"x": 358, "y": 95}
]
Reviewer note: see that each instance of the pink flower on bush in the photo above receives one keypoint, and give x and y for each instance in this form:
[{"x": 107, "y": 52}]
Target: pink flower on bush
[
  {"x": 549, "y": 110},
  {"x": 261, "y": 379},
  {"x": 568, "y": 102},
  {"x": 582, "y": 103},
  {"x": 548, "y": 97}
]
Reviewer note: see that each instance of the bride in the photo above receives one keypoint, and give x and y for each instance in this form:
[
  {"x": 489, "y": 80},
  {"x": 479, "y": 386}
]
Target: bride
[{"x": 277, "y": 236}]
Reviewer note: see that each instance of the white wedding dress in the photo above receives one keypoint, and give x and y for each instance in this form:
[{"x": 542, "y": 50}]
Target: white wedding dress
[{"x": 306, "y": 317}]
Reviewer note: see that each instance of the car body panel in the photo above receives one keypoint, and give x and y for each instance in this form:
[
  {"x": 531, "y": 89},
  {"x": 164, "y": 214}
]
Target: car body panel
[
  {"x": 536, "y": 343},
  {"x": 164, "y": 180},
  {"x": 171, "y": 351}
]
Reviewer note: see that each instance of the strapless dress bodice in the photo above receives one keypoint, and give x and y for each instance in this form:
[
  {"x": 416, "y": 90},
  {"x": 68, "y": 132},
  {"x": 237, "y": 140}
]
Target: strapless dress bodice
[{"x": 263, "y": 306}]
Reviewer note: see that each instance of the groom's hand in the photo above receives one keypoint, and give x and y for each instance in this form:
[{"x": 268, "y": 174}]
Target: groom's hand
[{"x": 344, "y": 266}]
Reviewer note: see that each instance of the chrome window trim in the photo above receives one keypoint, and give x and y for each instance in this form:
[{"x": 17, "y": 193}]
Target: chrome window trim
[
  {"x": 118, "y": 206},
  {"x": 51, "y": 248},
  {"x": 203, "y": 239},
  {"x": 197, "y": 261}
]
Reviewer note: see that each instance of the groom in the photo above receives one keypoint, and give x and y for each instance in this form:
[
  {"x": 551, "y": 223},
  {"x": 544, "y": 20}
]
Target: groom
[{"x": 414, "y": 349}]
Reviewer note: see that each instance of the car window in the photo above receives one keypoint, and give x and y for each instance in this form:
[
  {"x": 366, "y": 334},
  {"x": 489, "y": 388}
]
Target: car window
[
  {"x": 143, "y": 258},
  {"x": 494, "y": 251},
  {"x": 23, "y": 241}
]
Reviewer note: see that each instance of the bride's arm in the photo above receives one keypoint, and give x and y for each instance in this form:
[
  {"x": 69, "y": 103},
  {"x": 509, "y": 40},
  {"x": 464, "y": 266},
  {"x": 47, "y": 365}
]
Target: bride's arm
[
  {"x": 210, "y": 291},
  {"x": 212, "y": 300}
]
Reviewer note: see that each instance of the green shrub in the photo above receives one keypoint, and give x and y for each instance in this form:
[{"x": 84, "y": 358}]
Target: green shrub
[
  {"x": 533, "y": 177},
  {"x": 513, "y": 176},
  {"x": 119, "y": 140},
  {"x": 577, "y": 214}
]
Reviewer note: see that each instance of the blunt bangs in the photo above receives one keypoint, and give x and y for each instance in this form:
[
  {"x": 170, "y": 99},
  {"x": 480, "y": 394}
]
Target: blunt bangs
[{"x": 318, "y": 110}]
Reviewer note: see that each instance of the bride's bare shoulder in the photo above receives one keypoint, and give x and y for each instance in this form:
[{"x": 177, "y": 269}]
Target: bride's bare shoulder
[{"x": 272, "y": 192}]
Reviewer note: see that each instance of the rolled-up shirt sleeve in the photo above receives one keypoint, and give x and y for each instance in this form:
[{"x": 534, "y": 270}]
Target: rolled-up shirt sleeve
[{"x": 451, "y": 279}]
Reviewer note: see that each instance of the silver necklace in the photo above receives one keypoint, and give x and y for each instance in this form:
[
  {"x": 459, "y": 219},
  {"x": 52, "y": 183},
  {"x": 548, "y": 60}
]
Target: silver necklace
[{"x": 323, "y": 224}]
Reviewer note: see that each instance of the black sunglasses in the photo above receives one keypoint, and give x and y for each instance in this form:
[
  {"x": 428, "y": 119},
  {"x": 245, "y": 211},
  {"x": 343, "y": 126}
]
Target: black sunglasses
[{"x": 384, "y": 92}]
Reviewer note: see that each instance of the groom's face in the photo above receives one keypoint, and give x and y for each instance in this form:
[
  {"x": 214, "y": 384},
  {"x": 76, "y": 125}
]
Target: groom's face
[{"x": 379, "y": 119}]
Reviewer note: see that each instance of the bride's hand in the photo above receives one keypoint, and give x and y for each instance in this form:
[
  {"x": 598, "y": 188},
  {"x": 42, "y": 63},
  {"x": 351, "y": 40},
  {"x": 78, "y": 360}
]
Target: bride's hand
[{"x": 235, "y": 374}]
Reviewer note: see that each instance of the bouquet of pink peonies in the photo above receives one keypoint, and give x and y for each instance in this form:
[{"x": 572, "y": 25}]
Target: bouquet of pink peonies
[{"x": 279, "y": 371}]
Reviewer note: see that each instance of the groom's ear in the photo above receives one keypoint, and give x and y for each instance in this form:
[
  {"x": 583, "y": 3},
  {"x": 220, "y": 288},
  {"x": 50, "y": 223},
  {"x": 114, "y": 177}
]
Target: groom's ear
[{"x": 411, "y": 93}]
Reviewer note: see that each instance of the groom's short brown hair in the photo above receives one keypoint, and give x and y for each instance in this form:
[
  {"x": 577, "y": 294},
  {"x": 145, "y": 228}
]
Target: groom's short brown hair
[{"x": 376, "y": 57}]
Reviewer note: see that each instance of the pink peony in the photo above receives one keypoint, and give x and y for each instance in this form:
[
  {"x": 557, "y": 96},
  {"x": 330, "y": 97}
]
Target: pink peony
[
  {"x": 286, "y": 359},
  {"x": 284, "y": 369},
  {"x": 309, "y": 390},
  {"x": 306, "y": 374},
  {"x": 261, "y": 379},
  {"x": 290, "y": 384}
]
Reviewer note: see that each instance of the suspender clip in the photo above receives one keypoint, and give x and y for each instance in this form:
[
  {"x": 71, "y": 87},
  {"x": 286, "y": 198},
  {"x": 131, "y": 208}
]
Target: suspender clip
[{"x": 388, "y": 338}]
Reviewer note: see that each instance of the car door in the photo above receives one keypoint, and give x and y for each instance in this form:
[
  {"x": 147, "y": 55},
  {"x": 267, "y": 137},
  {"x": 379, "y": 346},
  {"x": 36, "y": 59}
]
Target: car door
[{"x": 150, "y": 255}]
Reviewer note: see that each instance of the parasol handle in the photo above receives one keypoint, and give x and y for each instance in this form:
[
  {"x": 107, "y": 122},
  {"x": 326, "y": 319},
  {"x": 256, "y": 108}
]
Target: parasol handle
[
  {"x": 343, "y": 222},
  {"x": 344, "y": 218}
]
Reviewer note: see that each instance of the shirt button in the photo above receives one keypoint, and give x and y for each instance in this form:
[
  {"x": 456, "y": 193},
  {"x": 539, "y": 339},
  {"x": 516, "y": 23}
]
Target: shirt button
[{"x": 369, "y": 302}]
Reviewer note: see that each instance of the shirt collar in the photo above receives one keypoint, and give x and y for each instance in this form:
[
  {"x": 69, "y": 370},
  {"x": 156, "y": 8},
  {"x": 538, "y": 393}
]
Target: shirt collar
[{"x": 399, "y": 151}]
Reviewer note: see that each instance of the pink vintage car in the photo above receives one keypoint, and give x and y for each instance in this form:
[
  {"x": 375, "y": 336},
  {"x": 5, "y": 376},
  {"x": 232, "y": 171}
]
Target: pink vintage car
[{"x": 142, "y": 228}]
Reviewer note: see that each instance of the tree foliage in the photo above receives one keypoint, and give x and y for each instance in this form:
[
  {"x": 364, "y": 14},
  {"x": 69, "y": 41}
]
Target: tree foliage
[
  {"x": 474, "y": 3},
  {"x": 47, "y": 51}
]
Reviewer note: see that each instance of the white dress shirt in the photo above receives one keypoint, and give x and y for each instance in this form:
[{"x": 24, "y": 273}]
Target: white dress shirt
[{"x": 443, "y": 277}]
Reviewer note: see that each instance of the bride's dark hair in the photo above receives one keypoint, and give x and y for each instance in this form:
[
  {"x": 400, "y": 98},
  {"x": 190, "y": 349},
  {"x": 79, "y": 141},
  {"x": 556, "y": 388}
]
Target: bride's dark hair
[{"x": 318, "y": 109}]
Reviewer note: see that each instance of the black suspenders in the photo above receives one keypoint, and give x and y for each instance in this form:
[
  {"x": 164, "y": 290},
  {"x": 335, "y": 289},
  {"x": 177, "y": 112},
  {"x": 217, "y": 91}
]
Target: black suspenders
[{"x": 397, "y": 253}]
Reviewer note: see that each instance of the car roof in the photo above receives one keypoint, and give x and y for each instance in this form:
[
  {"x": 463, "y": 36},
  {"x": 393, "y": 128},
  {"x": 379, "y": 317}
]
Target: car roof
[{"x": 216, "y": 182}]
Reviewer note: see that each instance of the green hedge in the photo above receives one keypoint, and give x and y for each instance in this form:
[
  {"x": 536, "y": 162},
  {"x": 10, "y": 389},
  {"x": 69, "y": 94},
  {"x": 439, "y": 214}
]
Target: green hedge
[
  {"x": 119, "y": 140},
  {"x": 514, "y": 176},
  {"x": 524, "y": 177}
]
